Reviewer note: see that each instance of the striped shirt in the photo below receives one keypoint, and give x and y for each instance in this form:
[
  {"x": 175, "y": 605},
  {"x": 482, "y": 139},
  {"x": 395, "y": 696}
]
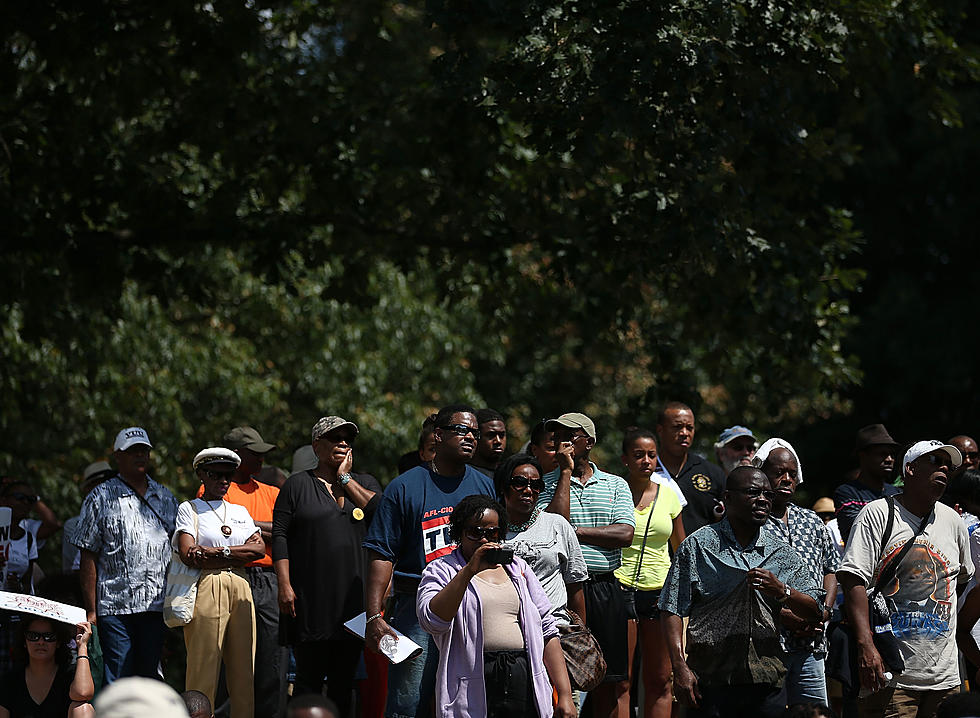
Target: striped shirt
[
  {"x": 604, "y": 499},
  {"x": 132, "y": 544}
]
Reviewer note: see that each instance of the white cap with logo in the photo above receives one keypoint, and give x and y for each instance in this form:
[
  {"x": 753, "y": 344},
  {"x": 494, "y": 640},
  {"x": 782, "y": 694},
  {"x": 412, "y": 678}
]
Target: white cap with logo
[
  {"x": 927, "y": 447},
  {"x": 130, "y": 437}
]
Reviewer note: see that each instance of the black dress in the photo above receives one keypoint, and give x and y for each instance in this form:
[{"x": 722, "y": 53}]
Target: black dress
[{"x": 15, "y": 697}]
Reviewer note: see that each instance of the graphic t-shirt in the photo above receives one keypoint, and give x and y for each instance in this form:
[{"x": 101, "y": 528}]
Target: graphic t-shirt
[
  {"x": 411, "y": 525},
  {"x": 923, "y": 591}
]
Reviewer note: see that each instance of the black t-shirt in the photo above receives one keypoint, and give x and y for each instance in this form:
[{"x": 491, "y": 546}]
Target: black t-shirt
[
  {"x": 16, "y": 699},
  {"x": 702, "y": 483}
]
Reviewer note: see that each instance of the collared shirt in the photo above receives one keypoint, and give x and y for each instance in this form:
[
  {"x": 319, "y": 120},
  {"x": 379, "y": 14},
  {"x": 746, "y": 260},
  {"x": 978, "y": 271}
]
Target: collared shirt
[
  {"x": 732, "y": 636},
  {"x": 603, "y": 500},
  {"x": 703, "y": 485},
  {"x": 808, "y": 536},
  {"x": 132, "y": 544}
]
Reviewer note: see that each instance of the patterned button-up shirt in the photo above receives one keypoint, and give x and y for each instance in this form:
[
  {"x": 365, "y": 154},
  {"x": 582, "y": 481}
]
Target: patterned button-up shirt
[
  {"x": 809, "y": 537},
  {"x": 732, "y": 637},
  {"x": 132, "y": 544}
]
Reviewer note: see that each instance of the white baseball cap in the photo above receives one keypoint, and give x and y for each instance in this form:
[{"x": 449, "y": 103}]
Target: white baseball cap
[
  {"x": 926, "y": 447},
  {"x": 130, "y": 437}
]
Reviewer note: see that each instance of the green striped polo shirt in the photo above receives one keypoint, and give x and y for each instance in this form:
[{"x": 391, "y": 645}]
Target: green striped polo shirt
[{"x": 604, "y": 499}]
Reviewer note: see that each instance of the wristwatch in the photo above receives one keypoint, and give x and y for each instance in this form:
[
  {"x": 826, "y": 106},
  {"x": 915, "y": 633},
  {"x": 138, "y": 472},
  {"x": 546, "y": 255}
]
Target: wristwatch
[
  {"x": 345, "y": 479},
  {"x": 785, "y": 594},
  {"x": 226, "y": 552}
]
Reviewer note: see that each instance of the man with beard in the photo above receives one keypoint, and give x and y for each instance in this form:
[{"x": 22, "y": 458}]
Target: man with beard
[
  {"x": 701, "y": 482},
  {"x": 735, "y": 447},
  {"x": 876, "y": 450},
  {"x": 732, "y": 579},
  {"x": 922, "y": 594},
  {"x": 803, "y": 641},
  {"x": 410, "y": 529}
]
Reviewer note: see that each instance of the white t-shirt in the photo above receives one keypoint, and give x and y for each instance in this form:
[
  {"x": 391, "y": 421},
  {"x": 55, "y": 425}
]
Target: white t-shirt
[
  {"x": 924, "y": 588},
  {"x": 210, "y": 518}
]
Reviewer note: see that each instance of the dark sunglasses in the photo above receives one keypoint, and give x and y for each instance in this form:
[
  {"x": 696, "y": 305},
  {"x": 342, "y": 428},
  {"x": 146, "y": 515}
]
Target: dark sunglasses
[
  {"x": 971, "y": 454},
  {"x": 936, "y": 460},
  {"x": 218, "y": 475},
  {"x": 754, "y": 492},
  {"x": 522, "y": 482},
  {"x": 479, "y": 532},
  {"x": 461, "y": 430},
  {"x": 47, "y": 636}
]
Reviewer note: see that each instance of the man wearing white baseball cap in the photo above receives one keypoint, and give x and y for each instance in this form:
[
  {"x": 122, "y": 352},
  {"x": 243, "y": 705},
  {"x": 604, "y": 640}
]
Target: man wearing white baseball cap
[
  {"x": 913, "y": 551},
  {"x": 124, "y": 533}
]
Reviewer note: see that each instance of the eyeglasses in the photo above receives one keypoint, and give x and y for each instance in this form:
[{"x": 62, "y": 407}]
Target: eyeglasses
[
  {"x": 461, "y": 430},
  {"x": 971, "y": 454},
  {"x": 936, "y": 459},
  {"x": 47, "y": 636},
  {"x": 476, "y": 533},
  {"x": 522, "y": 482},
  {"x": 754, "y": 492},
  {"x": 218, "y": 475}
]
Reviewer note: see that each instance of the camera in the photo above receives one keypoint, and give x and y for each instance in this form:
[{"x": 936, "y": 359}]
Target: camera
[{"x": 503, "y": 554}]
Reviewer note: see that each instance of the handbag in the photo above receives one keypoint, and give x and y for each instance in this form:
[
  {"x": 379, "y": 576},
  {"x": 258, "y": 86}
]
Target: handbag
[
  {"x": 583, "y": 657},
  {"x": 842, "y": 659},
  {"x": 180, "y": 594}
]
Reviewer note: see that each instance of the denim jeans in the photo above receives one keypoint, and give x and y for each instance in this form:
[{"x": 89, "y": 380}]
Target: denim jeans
[
  {"x": 806, "y": 681},
  {"x": 411, "y": 683},
  {"x": 131, "y": 644}
]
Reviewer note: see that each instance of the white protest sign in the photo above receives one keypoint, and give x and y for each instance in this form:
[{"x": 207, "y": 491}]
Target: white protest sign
[
  {"x": 23, "y": 603},
  {"x": 4, "y": 543}
]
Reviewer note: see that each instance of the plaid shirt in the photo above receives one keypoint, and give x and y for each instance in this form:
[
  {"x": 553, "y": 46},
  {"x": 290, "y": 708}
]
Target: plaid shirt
[{"x": 132, "y": 544}]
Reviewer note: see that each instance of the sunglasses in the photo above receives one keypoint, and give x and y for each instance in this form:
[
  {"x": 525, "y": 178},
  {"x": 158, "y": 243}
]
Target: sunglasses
[
  {"x": 522, "y": 482},
  {"x": 936, "y": 460},
  {"x": 491, "y": 533},
  {"x": 217, "y": 475},
  {"x": 47, "y": 636},
  {"x": 754, "y": 492},
  {"x": 461, "y": 430}
]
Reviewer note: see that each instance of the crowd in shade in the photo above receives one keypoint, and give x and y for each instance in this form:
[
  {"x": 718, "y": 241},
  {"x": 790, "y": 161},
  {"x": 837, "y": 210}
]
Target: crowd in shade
[{"x": 472, "y": 580}]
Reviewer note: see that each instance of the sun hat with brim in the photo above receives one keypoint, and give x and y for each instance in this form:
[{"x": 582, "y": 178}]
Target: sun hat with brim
[
  {"x": 572, "y": 420},
  {"x": 873, "y": 435},
  {"x": 920, "y": 448},
  {"x": 824, "y": 505},
  {"x": 216, "y": 456},
  {"x": 137, "y": 697},
  {"x": 95, "y": 473}
]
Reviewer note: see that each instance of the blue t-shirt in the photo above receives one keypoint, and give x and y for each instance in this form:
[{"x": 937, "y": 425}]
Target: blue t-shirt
[{"x": 411, "y": 526}]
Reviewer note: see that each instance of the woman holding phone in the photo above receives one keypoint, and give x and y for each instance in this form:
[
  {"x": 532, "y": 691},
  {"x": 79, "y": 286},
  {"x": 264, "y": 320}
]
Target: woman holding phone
[{"x": 492, "y": 623}]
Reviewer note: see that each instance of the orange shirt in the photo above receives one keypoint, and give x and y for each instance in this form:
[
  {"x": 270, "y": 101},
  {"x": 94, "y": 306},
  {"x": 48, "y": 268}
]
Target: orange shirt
[{"x": 259, "y": 500}]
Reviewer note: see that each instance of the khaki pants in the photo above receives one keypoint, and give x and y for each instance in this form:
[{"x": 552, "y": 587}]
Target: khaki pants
[
  {"x": 223, "y": 628},
  {"x": 902, "y": 703}
]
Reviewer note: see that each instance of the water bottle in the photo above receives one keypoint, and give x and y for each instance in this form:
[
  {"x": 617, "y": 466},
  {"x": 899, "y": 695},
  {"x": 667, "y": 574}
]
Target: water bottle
[{"x": 865, "y": 692}]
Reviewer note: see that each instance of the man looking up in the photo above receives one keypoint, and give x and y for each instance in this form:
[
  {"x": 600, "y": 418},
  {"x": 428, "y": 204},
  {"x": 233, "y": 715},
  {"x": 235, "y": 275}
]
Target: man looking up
[
  {"x": 492, "y": 442},
  {"x": 736, "y": 447},
  {"x": 921, "y": 592},
  {"x": 124, "y": 534},
  {"x": 411, "y": 528},
  {"x": 875, "y": 449},
  {"x": 701, "y": 482},
  {"x": 802, "y": 640},
  {"x": 733, "y": 666},
  {"x": 599, "y": 506},
  {"x": 259, "y": 499}
]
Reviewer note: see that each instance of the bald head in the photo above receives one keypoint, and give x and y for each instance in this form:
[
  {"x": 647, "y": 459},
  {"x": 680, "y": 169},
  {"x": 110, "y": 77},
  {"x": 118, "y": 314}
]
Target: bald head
[
  {"x": 743, "y": 476},
  {"x": 967, "y": 447}
]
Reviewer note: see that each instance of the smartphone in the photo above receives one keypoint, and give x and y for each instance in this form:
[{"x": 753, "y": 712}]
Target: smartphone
[{"x": 503, "y": 554}]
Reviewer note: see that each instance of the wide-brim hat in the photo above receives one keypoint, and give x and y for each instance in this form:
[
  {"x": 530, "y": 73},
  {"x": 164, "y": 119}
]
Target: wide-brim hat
[
  {"x": 95, "y": 473},
  {"x": 873, "y": 435},
  {"x": 824, "y": 505}
]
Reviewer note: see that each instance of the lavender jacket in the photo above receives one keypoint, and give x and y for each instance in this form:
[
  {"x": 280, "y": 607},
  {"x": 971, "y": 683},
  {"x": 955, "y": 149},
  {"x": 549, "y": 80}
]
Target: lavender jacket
[{"x": 460, "y": 688}]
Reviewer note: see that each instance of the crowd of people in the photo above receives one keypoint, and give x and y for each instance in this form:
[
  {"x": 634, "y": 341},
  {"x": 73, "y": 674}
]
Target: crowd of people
[{"x": 709, "y": 591}]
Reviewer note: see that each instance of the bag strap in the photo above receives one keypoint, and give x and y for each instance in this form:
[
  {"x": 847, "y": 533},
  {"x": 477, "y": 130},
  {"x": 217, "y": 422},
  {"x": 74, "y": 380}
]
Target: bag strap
[
  {"x": 889, "y": 573},
  {"x": 646, "y": 532},
  {"x": 170, "y": 531}
]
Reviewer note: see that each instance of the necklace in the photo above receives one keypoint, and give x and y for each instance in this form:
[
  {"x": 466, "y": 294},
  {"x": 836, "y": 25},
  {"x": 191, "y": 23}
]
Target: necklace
[
  {"x": 225, "y": 528},
  {"x": 527, "y": 524}
]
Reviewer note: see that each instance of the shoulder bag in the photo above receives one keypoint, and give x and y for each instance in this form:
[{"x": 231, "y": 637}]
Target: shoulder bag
[
  {"x": 629, "y": 592},
  {"x": 583, "y": 657},
  {"x": 842, "y": 658},
  {"x": 180, "y": 594}
]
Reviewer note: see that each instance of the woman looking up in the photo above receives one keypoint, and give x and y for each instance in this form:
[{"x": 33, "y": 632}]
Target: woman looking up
[{"x": 644, "y": 569}]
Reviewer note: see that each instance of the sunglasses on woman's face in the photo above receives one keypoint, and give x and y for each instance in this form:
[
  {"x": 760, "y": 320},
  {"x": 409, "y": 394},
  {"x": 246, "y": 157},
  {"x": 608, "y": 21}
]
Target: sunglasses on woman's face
[
  {"x": 491, "y": 533},
  {"x": 522, "y": 482},
  {"x": 46, "y": 636}
]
